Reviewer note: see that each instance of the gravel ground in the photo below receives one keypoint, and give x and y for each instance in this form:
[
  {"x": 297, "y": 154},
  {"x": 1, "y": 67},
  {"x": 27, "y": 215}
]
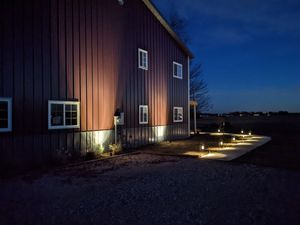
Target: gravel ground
[{"x": 147, "y": 189}]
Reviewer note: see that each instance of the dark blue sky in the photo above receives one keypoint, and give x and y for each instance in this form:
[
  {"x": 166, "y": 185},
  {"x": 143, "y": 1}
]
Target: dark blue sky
[{"x": 250, "y": 51}]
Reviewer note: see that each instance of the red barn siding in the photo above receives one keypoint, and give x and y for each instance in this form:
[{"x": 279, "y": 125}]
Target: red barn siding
[{"x": 85, "y": 50}]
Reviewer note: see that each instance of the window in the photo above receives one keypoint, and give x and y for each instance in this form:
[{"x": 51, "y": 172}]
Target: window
[
  {"x": 63, "y": 115},
  {"x": 143, "y": 114},
  {"x": 143, "y": 59},
  {"x": 5, "y": 114},
  {"x": 177, "y": 70},
  {"x": 178, "y": 114}
]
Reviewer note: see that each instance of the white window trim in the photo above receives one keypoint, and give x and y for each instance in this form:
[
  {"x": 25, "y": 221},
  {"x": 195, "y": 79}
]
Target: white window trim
[
  {"x": 139, "y": 59},
  {"x": 50, "y": 127},
  {"x": 140, "y": 119},
  {"x": 174, "y": 116},
  {"x": 180, "y": 65},
  {"x": 9, "y": 105}
]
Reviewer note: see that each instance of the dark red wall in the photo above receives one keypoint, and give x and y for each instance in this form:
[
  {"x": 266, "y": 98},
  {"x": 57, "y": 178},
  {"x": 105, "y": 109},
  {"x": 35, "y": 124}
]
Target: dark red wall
[{"x": 85, "y": 50}]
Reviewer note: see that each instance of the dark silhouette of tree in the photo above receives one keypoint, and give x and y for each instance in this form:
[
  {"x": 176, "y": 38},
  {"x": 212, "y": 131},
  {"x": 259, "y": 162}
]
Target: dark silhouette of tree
[
  {"x": 179, "y": 24},
  {"x": 198, "y": 86}
]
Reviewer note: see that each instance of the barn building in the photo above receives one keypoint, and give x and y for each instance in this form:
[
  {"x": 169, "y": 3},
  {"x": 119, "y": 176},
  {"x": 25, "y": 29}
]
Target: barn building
[{"x": 67, "y": 67}]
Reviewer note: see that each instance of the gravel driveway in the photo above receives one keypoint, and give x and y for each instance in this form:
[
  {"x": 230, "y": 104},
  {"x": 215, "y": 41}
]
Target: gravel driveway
[{"x": 148, "y": 189}]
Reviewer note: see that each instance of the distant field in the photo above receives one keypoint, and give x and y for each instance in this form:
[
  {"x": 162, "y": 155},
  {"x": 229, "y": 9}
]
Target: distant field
[{"x": 284, "y": 149}]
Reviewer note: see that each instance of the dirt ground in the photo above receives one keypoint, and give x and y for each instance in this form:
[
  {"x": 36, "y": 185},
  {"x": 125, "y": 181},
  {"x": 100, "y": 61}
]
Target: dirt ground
[
  {"x": 147, "y": 189},
  {"x": 260, "y": 188},
  {"x": 190, "y": 146},
  {"x": 284, "y": 149}
]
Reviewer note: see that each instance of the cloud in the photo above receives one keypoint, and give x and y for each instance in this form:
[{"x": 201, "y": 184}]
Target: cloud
[
  {"x": 251, "y": 47},
  {"x": 253, "y": 17}
]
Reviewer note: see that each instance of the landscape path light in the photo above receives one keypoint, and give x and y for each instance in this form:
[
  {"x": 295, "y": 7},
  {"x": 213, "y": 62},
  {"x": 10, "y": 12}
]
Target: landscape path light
[
  {"x": 202, "y": 147},
  {"x": 221, "y": 143}
]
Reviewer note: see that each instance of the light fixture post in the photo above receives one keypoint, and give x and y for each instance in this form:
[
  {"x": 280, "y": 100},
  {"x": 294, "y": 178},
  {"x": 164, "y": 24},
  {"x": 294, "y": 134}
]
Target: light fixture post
[
  {"x": 116, "y": 129},
  {"x": 116, "y": 121},
  {"x": 195, "y": 118}
]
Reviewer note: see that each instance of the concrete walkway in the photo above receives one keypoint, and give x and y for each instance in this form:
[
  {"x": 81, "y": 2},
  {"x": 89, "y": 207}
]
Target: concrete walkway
[
  {"x": 236, "y": 149},
  {"x": 192, "y": 147}
]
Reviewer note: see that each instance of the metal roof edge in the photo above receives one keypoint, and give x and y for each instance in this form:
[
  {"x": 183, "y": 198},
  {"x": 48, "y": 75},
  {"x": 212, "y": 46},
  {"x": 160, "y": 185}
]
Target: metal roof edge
[{"x": 165, "y": 24}]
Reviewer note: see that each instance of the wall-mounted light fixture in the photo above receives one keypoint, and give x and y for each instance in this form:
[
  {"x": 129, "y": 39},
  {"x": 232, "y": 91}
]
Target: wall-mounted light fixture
[{"x": 121, "y": 2}]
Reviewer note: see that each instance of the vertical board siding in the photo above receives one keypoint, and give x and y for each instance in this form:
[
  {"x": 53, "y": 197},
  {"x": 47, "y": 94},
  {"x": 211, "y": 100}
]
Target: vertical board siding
[{"x": 86, "y": 50}]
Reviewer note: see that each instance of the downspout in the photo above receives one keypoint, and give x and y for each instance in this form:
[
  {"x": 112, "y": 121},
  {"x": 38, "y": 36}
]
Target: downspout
[
  {"x": 189, "y": 108},
  {"x": 195, "y": 118}
]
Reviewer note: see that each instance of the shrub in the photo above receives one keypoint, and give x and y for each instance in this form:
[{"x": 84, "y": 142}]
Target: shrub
[{"x": 115, "y": 148}]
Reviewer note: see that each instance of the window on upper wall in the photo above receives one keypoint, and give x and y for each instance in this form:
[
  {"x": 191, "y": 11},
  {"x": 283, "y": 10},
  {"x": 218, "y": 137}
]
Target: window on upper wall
[
  {"x": 177, "y": 70},
  {"x": 177, "y": 114},
  {"x": 63, "y": 115},
  {"x": 143, "y": 114},
  {"x": 143, "y": 59},
  {"x": 5, "y": 114}
]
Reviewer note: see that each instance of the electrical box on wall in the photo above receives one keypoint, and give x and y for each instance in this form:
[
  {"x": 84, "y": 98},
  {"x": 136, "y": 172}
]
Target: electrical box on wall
[{"x": 121, "y": 119}]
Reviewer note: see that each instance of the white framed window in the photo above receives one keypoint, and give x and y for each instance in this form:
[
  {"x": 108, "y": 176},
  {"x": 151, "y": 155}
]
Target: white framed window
[
  {"x": 177, "y": 70},
  {"x": 63, "y": 115},
  {"x": 5, "y": 114},
  {"x": 177, "y": 114},
  {"x": 143, "y": 59},
  {"x": 143, "y": 114}
]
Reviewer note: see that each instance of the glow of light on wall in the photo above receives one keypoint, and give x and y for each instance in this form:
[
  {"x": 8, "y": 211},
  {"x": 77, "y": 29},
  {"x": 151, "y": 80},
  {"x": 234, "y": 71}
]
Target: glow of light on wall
[
  {"x": 152, "y": 140},
  {"x": 159, "y": 132},
  {"x": 101, "y": 137}
]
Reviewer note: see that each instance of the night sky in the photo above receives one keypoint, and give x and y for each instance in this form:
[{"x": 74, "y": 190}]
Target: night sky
[{"x": 250, "y": 51}]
